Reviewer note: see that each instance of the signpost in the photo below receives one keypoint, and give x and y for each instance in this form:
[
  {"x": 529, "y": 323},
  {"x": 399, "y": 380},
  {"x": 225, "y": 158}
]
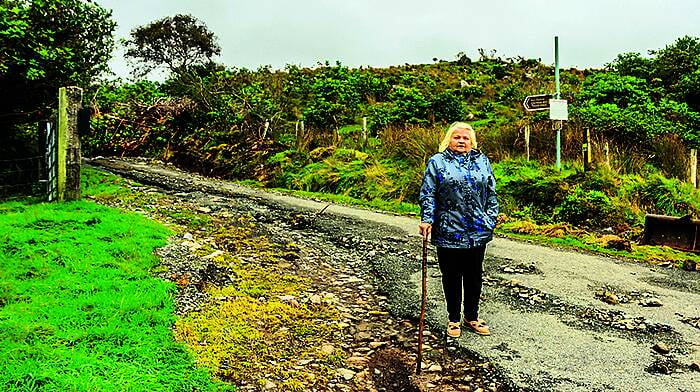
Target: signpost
[
  {"x": 534, "y": 103},
  {"x": 558, "y": 110}
]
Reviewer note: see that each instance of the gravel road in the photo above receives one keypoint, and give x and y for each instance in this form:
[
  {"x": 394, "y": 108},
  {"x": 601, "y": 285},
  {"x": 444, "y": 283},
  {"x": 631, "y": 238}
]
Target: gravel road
[{"x": 561, "y": 320}]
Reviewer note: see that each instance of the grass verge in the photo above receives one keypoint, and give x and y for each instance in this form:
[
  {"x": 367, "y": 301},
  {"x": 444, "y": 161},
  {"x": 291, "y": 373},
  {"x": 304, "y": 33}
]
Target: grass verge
[
  {"x": 79, "y": 307},
  {"x": 401, "y": 208}
]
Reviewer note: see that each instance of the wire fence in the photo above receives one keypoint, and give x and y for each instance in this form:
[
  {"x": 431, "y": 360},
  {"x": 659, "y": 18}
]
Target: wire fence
[
  {"x": 21, "y": 177},
  {"x": 34, "y": 175}
]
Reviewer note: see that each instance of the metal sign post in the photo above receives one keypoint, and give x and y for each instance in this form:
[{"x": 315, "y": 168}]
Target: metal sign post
[
  {"x": 558, "y": 109},
  {"x": 557, "y": 96}
]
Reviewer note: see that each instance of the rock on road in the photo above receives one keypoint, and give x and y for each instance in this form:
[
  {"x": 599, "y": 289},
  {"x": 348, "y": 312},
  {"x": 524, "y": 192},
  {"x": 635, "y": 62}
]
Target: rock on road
[{"x": 561, "y": 320}]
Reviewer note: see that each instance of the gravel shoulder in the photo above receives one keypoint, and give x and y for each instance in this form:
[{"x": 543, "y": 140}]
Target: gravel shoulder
[{"x": 562, "y": 320}]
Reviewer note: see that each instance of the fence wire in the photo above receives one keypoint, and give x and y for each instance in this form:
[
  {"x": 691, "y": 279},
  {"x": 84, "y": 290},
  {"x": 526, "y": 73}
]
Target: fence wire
[
  {"x": 22, "y": 176},
  {"x": 32, "y": 175}
]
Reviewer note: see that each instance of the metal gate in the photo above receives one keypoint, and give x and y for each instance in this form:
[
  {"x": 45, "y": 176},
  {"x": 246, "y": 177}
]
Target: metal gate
[{"x": 50, "y": 148}]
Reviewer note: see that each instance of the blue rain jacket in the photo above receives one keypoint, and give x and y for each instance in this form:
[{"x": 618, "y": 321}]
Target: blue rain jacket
[{"x": 458, "y": 198}]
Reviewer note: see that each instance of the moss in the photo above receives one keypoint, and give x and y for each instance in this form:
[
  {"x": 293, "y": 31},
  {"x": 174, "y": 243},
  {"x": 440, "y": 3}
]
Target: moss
[{"x": 245, "y": 332}]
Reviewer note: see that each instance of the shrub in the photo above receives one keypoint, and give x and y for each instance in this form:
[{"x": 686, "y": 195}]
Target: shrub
[
  {"x": 529, "y": 184},
  {"x": 448, "y": 106},
  {"x": 600, "y": 179},
  {"x": 660, "y": 195},
  {"x": 585, "y": 208}
]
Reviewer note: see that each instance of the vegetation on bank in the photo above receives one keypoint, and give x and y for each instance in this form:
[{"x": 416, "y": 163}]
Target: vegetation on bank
[
  {"x": 229, "y": 121},
  {"x": 593, "y": 199}
]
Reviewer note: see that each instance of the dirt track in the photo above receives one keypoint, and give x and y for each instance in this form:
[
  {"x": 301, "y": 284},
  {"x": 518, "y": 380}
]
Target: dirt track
[{"x": 552, "y": 330}]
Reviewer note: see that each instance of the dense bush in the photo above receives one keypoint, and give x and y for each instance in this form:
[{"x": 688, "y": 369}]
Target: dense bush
[
  {"x": 659, "y": 195},
  {"x": 593, "y": 199},
  {"x": 129, "y": 119},
  {"x": 587, "y": 208},
  {"x": 527, "y": 184}
]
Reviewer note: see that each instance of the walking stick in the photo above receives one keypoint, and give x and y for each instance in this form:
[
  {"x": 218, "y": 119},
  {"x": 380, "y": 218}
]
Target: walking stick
[{"x": 422, "y": 306}]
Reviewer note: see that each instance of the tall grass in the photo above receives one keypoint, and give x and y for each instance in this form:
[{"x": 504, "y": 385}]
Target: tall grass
[
  {"x": 79, "y": 307},
  {"x": 603, "y": 197}
]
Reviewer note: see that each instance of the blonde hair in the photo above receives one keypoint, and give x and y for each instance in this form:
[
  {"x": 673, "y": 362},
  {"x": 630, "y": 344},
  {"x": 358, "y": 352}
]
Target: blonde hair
[{"x": 453, "y": 127}]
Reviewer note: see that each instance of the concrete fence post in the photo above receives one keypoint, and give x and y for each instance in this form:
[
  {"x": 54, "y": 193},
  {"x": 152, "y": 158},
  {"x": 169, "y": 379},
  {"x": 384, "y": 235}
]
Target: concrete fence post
[{"x": 70, "y": 100}]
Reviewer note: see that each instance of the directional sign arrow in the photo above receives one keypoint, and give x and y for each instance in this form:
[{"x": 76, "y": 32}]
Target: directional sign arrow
[{"x": 533, "y": 103}]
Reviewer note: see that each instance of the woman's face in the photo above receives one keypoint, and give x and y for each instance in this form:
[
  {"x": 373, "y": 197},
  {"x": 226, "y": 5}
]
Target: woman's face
[{"x": 461, "y": 141}]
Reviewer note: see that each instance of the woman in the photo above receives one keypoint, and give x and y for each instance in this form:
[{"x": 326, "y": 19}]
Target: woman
[{"x": 459, "y": 210}]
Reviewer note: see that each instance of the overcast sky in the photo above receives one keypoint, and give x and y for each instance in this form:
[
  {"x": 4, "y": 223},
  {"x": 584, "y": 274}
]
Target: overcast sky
[{"x": 253, "y": 33}]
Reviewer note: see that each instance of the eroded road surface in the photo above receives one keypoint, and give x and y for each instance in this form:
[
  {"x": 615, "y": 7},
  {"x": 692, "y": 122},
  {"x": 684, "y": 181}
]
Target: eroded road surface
[{"x": 561, "y": 320}]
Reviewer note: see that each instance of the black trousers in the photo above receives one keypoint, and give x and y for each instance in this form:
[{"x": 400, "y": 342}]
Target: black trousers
[{"x": 462, "y": 270}]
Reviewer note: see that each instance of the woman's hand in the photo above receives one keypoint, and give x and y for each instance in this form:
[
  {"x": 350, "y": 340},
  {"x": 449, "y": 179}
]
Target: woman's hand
[{"x": 425, "y": 229}]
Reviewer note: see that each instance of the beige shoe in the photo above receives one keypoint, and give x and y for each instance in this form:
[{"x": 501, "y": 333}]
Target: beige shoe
[
  {"x": 478, "y": 326},
  {"x": 453, "y": 329}
]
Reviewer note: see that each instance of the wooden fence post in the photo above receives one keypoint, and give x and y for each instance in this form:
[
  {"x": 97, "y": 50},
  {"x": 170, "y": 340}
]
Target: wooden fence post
[
  {"x": 694, "y": 167},
  {"x": 70, "y": 100},
  {"x": 586, "y": 149},
  {"x": 267, "y": 126},
  {"x": 606, "y": 149},
  {"x": 527, "y": 142},
  {"x": 364, "y": 131}
]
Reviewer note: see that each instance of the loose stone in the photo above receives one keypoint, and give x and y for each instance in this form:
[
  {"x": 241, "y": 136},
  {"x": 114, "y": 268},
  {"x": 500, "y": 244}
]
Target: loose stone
[
  {"x": 435, "y": 368},
  {"x": 347, "y": 374},
  {"x": 661, "y": 348},
  {"x": 327, "y": 349}
]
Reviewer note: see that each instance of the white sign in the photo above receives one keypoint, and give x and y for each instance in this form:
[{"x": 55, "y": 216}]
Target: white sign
[{"x": 558, "y": 110}]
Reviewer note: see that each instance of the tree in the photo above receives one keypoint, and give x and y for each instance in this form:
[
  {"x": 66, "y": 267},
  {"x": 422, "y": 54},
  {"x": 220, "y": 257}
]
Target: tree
[
  {"x": 675, "y": 67},
  {"x": 689, "y": 89},
  {"x": 677, "y": 60},
  {"x": 624, "y": 107},
  {"x": 633, "y": 64},
  {"x": 176, "y": 43},
  {"x": 332, "y": 96},
  {"x": 678, "y": 66},
  {"x": 44, "y": 45}
]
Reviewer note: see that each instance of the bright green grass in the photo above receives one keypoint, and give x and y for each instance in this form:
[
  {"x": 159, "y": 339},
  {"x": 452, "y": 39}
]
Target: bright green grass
[{"x": 79, "y": 308}]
